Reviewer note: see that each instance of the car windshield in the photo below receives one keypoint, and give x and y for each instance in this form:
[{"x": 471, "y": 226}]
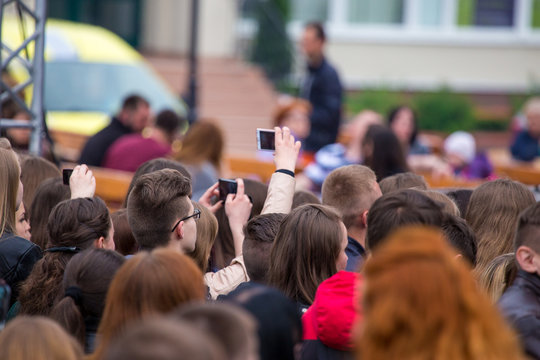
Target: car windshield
[{"x": 87, "y": 86}]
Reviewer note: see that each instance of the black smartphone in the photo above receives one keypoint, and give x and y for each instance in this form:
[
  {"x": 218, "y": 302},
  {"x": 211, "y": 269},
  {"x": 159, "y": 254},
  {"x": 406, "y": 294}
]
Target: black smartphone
[
  {"x": 226, "y": 187},
  {"x": 266, "y": 139},
  {"x": 66, "y": 174}
]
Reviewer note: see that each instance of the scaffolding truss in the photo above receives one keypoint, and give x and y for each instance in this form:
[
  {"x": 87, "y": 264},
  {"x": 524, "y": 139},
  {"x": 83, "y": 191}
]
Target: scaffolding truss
[{"x": 31, "y": 36}]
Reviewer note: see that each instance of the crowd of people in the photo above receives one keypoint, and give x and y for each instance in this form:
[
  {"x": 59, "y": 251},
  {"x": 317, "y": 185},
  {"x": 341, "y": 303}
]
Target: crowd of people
[{"x": 354, "y": 258}]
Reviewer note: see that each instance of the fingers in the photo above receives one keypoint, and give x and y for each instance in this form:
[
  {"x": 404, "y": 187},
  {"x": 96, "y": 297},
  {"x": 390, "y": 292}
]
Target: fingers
[{"x": 240, "y": 188}]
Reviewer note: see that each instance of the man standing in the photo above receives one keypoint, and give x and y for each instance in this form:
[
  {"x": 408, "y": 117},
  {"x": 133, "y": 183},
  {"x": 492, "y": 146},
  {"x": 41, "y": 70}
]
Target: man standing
[
  {"x": 132, "y": 118},
  {"x": 322, "y": 88}
]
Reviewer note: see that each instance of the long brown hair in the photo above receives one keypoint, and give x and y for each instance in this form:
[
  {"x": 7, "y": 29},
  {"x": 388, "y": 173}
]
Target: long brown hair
[
  {"x": 36, "y": 337},
  {"x": 204, "y": 142},
  {"x": 73, "y": 225},
  {"x": 493, "y": 214},
  {"x": 34, "y": 170},
  {"x": 305, "y": 251},
  {"x": 148, "y": 283},
  {"x": 90, "y": 272},
  {"x": 420, "y": 302}
]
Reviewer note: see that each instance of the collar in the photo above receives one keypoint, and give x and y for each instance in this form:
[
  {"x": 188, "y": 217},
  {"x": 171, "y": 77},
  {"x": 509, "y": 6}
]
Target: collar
[
  {"x": 528, "y": 279},
  {"x": 355, "y": 246},
  {"x": 315, "y": 68}
]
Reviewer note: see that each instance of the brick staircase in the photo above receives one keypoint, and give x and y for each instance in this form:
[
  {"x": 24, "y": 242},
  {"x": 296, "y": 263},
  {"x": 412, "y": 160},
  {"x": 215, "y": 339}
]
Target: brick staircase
[{"x": 231, "y": 91}]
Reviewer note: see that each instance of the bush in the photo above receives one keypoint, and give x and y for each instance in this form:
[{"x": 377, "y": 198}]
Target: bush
[
  {"x": 444, "y": 111},
  {"x": 379, "y": 100}
]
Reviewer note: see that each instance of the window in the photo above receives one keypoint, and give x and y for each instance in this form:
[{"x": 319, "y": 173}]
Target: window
[
  {"x": 375, "y": 11},
  {"x": 309, "y": 10},
  {"x": 491, "y": 13}
]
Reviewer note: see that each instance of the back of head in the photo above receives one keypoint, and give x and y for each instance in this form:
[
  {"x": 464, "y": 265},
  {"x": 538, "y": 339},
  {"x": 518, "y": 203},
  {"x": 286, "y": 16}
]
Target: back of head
[
  {"x": 399, "y": 208},
  {"x": 78, "y": 222},
  {"x": 124, "y": 240},
  {"x": 156, "y": 201},
  {"x": 279, "y": 323},
  {"x": 305, "y": 251},
  {"x": 498, "y": 275},
  {"x": 461, "y": 237},
  {"x": 493, "y": 214},
  {"x": 302, "y": 197},
  {"x": 351, "y": 190},
  {"x": 232, "y": 327},
  {"x": 169, "y": 121},
  {"x": 148, "y": 283},
  {"x": 48, "y": 194},
  {"x": 154, "y": 165},
  {"x": 461, "y": 197},
  {"x": 86, "y": 281},
  {"x": 223, "y": 251},
  {"x": 203, "y": 142},
  {"x": 259, "y": 235},
  {"x": 9, "y": 186},
  {"x": 160, "y": 338},
  {"x": 438, "y": 315},
  {"x": 29, "y": 338},
  {"x": 207, "y": 229},
  {"x": 406, "y": 180},
  {"x": 383, "y": 152},
  {"x": 449, "y": 206},
  {"x": 73, "y": 225},
  {"x": 34, "y": 170},
  {"x": 528, "y": 228}
]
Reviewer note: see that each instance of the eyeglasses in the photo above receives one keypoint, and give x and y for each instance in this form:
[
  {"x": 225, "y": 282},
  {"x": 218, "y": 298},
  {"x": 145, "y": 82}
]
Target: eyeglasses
[{"x": 196, "y": 215}]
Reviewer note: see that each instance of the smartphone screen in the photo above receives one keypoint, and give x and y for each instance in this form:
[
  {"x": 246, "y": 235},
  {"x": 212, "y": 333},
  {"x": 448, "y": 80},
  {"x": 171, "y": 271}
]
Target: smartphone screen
[
  {"x": 226, "y": 187},
  {"x": 66, "y": 174},
  {"x": 266, "y": 139}
]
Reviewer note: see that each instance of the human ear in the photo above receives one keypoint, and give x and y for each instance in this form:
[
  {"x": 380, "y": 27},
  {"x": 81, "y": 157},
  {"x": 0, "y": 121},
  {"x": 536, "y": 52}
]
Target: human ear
[
  {"x": 99, "y": 243},
  {"x": 525, "y": 257},
  {"x": 180, "y": 230},
  {"x": 364, "y": 218}
]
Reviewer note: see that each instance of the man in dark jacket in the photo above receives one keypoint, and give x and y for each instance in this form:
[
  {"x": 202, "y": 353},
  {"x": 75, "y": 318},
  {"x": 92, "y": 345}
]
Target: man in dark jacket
[
  {"x": 521, "y": 301},
  {"x": 132, "y": 118},
  {"x": 526, "y": 144},
  {"x": 322, "y": 88}
]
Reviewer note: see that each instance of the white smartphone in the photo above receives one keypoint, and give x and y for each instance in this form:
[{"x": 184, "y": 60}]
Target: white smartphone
[{"x": 266, "y": 139}]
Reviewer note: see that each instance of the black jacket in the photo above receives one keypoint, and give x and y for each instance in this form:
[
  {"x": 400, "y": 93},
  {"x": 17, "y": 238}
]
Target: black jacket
[
  {"x": 521, "y": 306},
  {"x": 96, "y": 147},
  {"x": 322, "y": 88},
  {"x": 17, "y": 258}
]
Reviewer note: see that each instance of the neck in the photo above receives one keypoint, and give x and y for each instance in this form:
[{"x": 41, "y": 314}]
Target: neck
[
  {"x": 175, "y": 245},
  {"x": 358, "y": 234},
  {"x": 315, "y": 60}
]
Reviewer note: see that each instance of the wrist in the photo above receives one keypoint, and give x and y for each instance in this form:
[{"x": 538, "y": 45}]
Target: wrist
[{"x": 285, "y": 171}]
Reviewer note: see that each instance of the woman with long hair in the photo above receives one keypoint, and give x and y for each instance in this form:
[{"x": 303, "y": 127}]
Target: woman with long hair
[
  {"x": 86, "y": 279},
  {"x": 149, "y": 283},
  {"x": 493, "y": 214},
  {"x": 308, "y": 249},
  {"x": 383, "y": 152},
  {"x": 74, "y": 225},
  {"x": 17, "y": 255},
  {"x": 421, "y": 302}
]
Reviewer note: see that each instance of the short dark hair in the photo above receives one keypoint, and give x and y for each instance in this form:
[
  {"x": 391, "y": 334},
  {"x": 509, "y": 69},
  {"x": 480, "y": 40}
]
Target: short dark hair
[
  {"x": 528, "y": 228},
  {"x": 302, "y": 197},
  {"x": 461, "y": 237},
  {"x": 169, "y": 121},
  {"x": 259, "y": 235},
  {"x": 406, "y": 180},
  {"x": 156, "y": 201},
  {"x": 404, "y": 207},
  {"x": 319, "y": 29},
  {"x": 132, "y": 102}
]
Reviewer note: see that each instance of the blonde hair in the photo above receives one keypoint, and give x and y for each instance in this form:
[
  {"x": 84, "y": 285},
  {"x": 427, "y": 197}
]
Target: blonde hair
[
  {"x": 532, "y": 106},
  {"x": 30, "y": 338},
  {"x": 421, "y": 303},
  {"x": 207, "y": 229},
  {"x": 9, "y": 186},
  {"x": 448, "y": 204},
  {"x": 498, "y": 275}
]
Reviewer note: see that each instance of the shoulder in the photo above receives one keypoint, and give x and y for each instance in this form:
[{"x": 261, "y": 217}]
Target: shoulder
[{"x": 519, "y": 303}]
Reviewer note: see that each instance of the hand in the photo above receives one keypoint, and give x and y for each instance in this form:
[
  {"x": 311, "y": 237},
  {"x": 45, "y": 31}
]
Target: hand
[
  {"x": 238, "y": 206},
  {"x": 287, "y": 149},
  {"x": 82, "y": 182},
  {"x": 206, "y": 199}
]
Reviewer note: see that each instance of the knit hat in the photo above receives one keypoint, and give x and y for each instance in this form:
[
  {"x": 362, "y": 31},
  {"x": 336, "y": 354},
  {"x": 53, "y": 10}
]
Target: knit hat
[{"x": 462, "y": 144}]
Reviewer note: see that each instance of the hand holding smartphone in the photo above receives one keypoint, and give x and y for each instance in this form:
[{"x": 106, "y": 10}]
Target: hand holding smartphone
[
  {"x": 66, "y": 174},
  {"x": 226, "y": 187}
]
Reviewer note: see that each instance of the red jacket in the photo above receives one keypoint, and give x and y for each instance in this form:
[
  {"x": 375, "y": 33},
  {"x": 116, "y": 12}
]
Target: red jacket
[{"x": 329, "y": 322}]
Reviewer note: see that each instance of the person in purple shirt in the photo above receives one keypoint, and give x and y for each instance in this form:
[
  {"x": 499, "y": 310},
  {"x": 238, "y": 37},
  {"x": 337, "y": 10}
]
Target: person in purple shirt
[
  {"x": 460, "y": 151},
  {"x": 130, "y": 151}
]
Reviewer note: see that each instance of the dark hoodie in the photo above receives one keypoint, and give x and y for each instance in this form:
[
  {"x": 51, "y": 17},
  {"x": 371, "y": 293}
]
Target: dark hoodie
[{"x": 329, "y": 322}]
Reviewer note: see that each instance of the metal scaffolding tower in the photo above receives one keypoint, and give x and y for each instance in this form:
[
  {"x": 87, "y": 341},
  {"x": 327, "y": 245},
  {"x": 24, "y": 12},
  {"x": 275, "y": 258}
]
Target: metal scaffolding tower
[{"x": 34, "y": 66}]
